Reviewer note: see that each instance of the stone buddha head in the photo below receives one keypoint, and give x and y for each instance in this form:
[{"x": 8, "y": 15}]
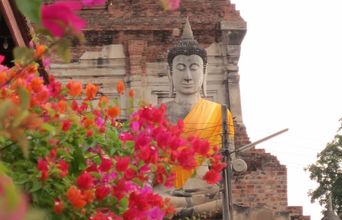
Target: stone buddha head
[{"x": 187, "y": 62}]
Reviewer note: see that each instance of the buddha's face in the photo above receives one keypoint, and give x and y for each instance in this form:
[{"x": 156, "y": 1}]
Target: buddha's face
[{"x": 187, "y": 74}]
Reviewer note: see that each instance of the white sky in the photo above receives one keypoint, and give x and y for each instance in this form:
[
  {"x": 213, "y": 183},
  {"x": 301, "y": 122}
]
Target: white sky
[{"x": 291, "y": 77}]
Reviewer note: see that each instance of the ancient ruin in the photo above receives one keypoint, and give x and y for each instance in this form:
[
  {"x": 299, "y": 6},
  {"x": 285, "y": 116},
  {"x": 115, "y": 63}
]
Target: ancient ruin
[{"x": 129, "y": 40}]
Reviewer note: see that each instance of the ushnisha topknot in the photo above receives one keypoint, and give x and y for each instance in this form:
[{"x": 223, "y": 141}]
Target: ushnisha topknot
[{"x": 187, "y": 46}]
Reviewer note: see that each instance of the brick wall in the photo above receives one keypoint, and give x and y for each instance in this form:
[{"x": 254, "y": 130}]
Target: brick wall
[
  {"x": 264, "y": 184},
  {"x": 146, "y": 20}
]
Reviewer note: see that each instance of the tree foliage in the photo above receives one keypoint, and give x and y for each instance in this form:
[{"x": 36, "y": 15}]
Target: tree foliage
[{"x": 327, "y": 171}]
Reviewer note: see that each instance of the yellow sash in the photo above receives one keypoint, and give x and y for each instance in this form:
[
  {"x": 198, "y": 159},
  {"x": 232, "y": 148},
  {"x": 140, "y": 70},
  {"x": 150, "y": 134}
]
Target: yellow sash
[{"x": 204, "y": 121}]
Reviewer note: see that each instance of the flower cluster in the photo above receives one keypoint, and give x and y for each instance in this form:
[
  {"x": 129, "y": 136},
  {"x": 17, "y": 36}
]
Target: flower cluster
[{"x": 81, "y": 160}]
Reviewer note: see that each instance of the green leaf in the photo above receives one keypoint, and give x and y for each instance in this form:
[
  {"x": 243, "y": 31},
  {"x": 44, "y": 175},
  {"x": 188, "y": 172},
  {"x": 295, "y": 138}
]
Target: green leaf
[
  {"x": 123, "y": 205},
  {"x": 23, "y": 55},
  {"x": 51, "y": 129},
  {"x": 30, "y": 8},
  {"x": 63, "y": 49},
  {"x": 43, "y": 33},
  {"x": 78, "y": 161},
  {"x": 35, "y": 187},
  {"x": 112, "y": 151},
  {"x": 3, "y": 169},
  {"x": 21, "y": 180},
  {"x": 24, "y": 98}
]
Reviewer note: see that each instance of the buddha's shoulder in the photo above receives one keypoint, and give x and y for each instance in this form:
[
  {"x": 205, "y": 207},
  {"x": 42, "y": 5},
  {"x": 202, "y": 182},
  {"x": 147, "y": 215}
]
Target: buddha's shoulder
[{"x": 209, "y": 102}]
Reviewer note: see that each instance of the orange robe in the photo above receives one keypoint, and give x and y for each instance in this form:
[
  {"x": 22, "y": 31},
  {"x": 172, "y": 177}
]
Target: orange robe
[{"x": 203, "y": 121}]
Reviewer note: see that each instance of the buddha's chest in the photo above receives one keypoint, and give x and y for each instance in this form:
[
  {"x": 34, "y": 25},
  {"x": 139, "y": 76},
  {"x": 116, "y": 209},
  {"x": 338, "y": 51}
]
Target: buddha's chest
[{"x": 176, "y": 112}]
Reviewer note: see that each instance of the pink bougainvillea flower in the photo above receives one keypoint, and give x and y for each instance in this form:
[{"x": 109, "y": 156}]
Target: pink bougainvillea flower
[
  {"x": 135, "y": 126},
  {"x": 122, "y": 163},
  {"x": 85, "y": 181},
  {"x": 212, "y": 176},
  {"x": 60, "y": 17},
  {"x": 160, "y": 174},
  {"x": 91, "y": 3},
  {"x": 174, "y": 4},
  {"x": 46, "y": 62},
  {"x": 101, "y": 192},
  {"x": 201, "y": 146},
  {"x": 129, "y": 174},
  {"x": 106, "y": 164},
  {"x": 170, "y": 4},
  {"x": 58, "y": 206},
  {"x": 104, "y": 216},
  {"x": 89, "y": 133},
  {"x": 186, "y": 160},
  {"x": 154, "y": 214},
  {"x": 99, "y": 122},
  {"x": 43, "y": 167},
  {"x": 2, "y": 58},
  {"x": 63, "y": 168},
  {"x": 125, "y": 136},
  {"x": 66, "y": 125}
]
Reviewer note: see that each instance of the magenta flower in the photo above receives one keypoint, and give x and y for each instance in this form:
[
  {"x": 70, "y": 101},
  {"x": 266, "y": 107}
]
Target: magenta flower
[
  {"x": 2, "y": 68},
  {"x": 174, "y": 4},
  {"x": 125, "y": 136},
  {"x": 154, "y": 214},
  {"x": 170, "y": 4},
  {"x": 99, "y": 121},
  {"x": 60, "y": 17},
  {"x": 2, "y": 58},
  {"x": 135, "y": 126}
]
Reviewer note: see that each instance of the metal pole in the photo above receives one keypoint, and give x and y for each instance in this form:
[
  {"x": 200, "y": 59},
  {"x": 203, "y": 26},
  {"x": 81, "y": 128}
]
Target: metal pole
[
  {"x": 246, "y": 147},
  {"x": 226, "y": 172}
]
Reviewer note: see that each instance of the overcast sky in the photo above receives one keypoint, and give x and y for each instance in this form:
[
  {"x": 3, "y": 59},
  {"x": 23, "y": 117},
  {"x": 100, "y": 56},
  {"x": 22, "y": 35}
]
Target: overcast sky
[{"x": 291, "y": 77}]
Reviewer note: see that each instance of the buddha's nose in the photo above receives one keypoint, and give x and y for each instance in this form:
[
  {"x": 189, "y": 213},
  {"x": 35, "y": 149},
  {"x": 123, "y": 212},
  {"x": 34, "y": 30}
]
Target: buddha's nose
[{"x": 187, "y": 77}]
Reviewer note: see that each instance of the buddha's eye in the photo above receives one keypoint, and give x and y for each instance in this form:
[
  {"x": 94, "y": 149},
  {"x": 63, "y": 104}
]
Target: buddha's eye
[
  {"x": 194, "y": 67},
  {"x": 180, "y": 67}
]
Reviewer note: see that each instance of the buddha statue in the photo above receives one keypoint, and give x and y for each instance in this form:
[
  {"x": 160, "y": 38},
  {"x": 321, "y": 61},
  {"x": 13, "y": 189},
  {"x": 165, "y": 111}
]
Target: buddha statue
[{"x": 192, "y": 196}]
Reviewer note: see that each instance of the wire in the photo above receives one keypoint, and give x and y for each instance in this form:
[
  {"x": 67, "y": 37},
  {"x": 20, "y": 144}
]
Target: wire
[
  {"x": 201, "y": 123},
  {"x": 213, "y": 135},
  {"x": 200, "y": 129}
]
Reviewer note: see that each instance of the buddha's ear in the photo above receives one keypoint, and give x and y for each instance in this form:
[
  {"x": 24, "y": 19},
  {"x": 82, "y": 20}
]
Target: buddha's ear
[
  {"x": 204, "y": 85},
  {"x": 171, "y": 87}
]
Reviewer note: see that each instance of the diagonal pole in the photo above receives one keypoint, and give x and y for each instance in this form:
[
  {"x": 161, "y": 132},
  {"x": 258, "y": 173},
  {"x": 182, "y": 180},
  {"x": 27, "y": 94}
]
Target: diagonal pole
[{"x": 248, "y": 146}]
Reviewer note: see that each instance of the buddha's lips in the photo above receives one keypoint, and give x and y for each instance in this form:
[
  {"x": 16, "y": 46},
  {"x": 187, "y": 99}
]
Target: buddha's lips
[{"x": 187, "y": 85}]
